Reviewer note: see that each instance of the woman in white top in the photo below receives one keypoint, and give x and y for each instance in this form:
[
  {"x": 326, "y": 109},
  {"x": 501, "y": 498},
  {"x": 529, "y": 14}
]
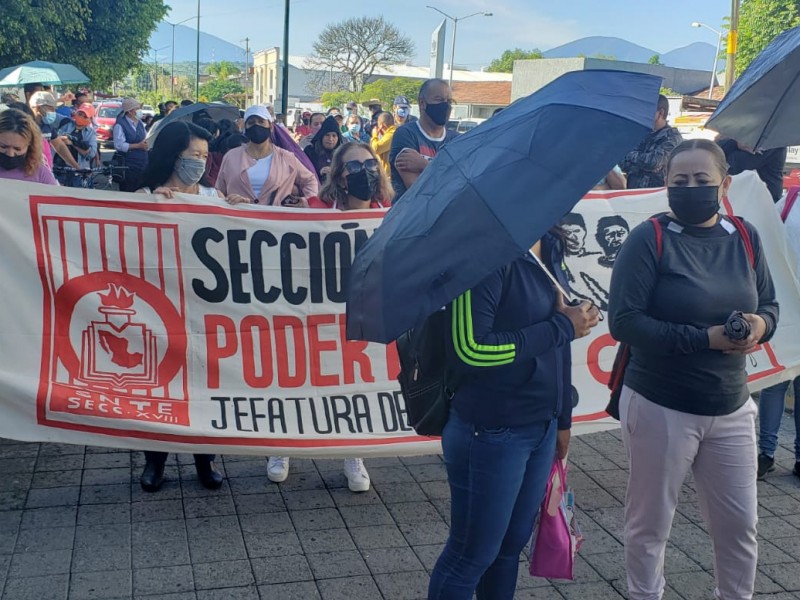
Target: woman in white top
[
  {"x": 262, "y": 172},
  {"x": 177, "y": 162}
]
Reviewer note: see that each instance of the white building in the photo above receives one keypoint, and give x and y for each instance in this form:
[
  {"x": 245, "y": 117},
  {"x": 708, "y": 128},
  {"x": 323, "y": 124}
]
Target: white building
[{"x": 268, "y": 70}]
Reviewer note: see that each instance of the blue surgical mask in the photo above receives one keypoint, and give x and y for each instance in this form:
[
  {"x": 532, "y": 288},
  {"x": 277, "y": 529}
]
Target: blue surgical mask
[
  {"x": 355, "y": 128},
  {"x": 49, "y": 118},
  {"x": 403, "y": 113},
  {"x": 139, "y": 114}
]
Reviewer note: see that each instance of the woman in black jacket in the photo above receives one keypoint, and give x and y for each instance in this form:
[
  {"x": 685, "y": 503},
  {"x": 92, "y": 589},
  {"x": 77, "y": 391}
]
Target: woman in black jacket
[{"x": 323, "y": 145}]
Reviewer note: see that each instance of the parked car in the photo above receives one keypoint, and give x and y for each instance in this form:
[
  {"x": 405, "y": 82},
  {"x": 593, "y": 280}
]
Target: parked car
[
  {"x": 465, "y": 125},
  {"x": 148, "y": 110},
  {"x": 106, "y": 117}
]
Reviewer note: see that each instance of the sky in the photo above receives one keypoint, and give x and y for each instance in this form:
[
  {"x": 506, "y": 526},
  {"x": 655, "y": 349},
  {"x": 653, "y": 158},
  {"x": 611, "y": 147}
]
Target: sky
[{"x": 544, "y": 24}]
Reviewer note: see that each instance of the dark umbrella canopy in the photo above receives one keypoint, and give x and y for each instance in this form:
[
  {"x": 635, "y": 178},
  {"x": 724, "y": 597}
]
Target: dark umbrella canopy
[
  {"x": 192, "y": 112},
  {"x": 762, "y": 108},
  {"x": 40, "y": 71},
  {"x": 492, "y": 193}
]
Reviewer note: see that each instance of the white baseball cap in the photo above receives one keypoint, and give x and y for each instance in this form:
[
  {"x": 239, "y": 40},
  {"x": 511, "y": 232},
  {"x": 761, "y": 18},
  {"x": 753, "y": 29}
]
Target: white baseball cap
[{"x": 258, "y": 110}]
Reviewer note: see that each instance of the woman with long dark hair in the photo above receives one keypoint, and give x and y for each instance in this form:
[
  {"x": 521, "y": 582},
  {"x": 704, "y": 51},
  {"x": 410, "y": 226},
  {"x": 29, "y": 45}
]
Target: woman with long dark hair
[{"x": 177, "y": 162}]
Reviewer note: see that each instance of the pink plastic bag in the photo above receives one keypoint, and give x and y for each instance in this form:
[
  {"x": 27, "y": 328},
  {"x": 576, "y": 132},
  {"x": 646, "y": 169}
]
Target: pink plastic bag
[{"x": 556, "y": 535}]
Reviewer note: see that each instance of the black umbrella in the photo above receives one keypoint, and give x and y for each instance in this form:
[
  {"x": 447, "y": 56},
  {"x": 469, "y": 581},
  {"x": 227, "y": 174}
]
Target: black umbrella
[
  {"x": 491, "y": 193},
  {"x": 762, "y": 108},
  {"x": 192, "y": 112}
]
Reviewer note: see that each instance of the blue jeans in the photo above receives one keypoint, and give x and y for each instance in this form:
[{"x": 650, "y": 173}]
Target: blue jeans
[
  {"x": 770, "y": 412},
  {"x": 497, "y": 481}
]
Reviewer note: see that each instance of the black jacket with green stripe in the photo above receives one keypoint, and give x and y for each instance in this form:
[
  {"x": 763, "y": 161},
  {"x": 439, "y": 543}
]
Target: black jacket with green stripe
[{"x": 512, "y": 348}]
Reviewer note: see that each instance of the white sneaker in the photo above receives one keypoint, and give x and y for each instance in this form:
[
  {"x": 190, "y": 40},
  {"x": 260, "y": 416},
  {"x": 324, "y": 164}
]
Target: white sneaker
[
  {"x": 278, "y": 468},
  {"x": 356, "y": 473}
]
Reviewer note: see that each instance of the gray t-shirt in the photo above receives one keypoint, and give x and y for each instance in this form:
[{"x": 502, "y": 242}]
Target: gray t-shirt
[{"x": 663, "y": 308}]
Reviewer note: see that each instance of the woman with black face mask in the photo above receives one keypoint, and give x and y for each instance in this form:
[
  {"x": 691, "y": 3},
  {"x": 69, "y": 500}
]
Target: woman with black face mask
[
  {"x": 21, "y": 154},
  {"x": 261, "y": 173},
  {"x": 355, "y": 182},
  {"x": 685, "y": 404}
]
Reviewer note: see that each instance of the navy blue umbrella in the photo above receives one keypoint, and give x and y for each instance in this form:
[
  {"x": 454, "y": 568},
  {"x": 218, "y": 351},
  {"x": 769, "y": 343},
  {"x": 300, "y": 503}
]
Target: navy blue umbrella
[
  {"x": 492, "y": 193},
  {"x": 762, "y": 108}
]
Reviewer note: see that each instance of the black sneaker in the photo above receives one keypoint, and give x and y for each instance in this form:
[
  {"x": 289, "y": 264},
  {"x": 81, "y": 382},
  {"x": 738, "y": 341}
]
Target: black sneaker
[{"x": 765, "y": 465}]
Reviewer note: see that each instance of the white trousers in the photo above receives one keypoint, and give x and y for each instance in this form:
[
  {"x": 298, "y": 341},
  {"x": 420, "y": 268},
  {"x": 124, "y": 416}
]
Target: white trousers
[{"x": 662, "y": 445}]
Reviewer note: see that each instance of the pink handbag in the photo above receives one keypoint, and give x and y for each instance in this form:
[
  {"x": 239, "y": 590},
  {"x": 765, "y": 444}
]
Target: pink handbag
[{"x": 556, "y": 535}]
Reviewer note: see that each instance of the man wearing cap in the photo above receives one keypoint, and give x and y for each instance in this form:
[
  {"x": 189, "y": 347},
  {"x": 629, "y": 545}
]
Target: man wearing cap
[
  {"x": 130, "y": 145},
  {"x": 402, "y": 111},
  {"x": 43, "y": 106},
  {"x": 375, "y": 108},
  {"x": 304, "y": 128},
  {"x": 81, "y": 139}
]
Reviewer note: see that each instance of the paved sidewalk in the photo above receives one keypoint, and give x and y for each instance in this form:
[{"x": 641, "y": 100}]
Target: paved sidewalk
[{"x": 75, "y": 524}]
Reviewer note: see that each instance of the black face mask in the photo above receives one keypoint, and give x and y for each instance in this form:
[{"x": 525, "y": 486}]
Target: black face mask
[
  {"x": 12, "y": 162},
  {"x": 439, "y": 113},
  {"x": 258, "y": 134},
  {"x": 694, "y": 205},
  {"x": 364, "y": 184}
]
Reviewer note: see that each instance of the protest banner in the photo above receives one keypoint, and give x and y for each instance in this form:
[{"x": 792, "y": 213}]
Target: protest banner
[{"x": 189, "y": 325}]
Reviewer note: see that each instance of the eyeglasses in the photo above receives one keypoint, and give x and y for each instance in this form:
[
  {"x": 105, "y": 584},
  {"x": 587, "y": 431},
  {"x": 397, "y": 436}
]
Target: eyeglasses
[{"x": 356, "y": 166}]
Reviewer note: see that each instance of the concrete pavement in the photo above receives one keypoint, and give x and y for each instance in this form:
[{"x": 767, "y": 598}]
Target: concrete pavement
[{"x": 75, "y": 525}]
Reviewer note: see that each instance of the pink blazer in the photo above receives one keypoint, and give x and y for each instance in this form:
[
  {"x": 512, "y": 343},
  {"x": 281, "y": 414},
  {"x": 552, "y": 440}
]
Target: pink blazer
[{"x": 287, "y": 176}]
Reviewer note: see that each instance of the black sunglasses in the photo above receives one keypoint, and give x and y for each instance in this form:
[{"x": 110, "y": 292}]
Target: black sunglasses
[{"x": 356, "y": 166}]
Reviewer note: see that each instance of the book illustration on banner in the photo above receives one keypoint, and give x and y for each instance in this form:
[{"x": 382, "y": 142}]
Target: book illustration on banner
[{"x": 118, "y": 350}]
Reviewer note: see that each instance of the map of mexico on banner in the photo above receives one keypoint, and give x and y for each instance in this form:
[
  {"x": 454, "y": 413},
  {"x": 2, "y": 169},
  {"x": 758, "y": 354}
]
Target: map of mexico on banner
[{"x": 188, "y": 325}]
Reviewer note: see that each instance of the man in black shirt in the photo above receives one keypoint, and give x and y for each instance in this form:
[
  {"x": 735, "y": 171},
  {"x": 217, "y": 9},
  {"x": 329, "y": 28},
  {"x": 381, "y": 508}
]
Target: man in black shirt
[
  {"x": 767, "y": 163},
  {"x": 415, "y": 144}
]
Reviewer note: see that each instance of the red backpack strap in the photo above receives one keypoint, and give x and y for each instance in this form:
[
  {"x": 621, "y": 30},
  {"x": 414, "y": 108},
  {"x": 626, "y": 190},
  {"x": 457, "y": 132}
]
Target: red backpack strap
[
  {"x": 791, "y": 197},
  {"x": 748, "y": 243},
  {"x": 659, "y": 236}
]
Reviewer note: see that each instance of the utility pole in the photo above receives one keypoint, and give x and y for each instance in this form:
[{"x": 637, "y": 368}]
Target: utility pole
[
  {"x": 285, "y": 81},
  {"x": 246, "y": 69},
  {"x": 197, "y": 65},
  {"x": 733, "y": 38}
]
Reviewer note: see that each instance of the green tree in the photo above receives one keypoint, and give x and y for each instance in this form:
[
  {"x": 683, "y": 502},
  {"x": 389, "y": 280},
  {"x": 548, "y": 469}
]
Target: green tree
[
  {"x": 217, "y": 89},
  {"x": 337, "y": 99},
  {"x": 223, "y": 69},
  {"x": 505, "y": 64},
  {"x": 760, "y": 22},
  {"x": 355, "y": 48},
  {"x": 386, "y": 90},
  {"x": 86, "y": 33},
  {"x": 655, "y": 60}
]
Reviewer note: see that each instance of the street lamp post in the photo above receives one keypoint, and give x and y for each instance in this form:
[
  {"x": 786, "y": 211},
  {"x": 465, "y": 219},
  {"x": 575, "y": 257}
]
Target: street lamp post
[
  {"x": 155, "y": 64},
  {"x": 455, "y": 21},
  {"x": 716, "y": 56},
  {"x": 197, "y": 64},
  {"x": 172, "y": 69},
  {"x": 285, "y": 74}
]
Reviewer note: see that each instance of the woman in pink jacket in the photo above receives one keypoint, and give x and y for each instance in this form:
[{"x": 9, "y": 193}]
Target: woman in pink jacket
[{"x": 263, "y": 173}]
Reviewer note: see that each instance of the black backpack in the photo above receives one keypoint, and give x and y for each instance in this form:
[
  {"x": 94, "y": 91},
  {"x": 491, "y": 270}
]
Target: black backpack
[{"x": 427, "y": 380}]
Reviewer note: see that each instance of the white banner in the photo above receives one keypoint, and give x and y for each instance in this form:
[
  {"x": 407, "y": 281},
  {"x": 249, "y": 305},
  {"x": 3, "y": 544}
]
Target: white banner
[{"x": 189, "y": 325}]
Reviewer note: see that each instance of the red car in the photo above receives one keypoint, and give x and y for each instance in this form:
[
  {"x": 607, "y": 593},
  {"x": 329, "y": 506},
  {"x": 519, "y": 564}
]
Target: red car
[{"x": 106, "y": 117}]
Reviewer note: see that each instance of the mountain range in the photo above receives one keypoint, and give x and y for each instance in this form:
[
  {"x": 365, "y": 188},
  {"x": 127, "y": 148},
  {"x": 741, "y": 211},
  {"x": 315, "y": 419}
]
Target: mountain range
[
  {"x": 698, "y": 55},
  {"x": 212, "y": 48}
]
